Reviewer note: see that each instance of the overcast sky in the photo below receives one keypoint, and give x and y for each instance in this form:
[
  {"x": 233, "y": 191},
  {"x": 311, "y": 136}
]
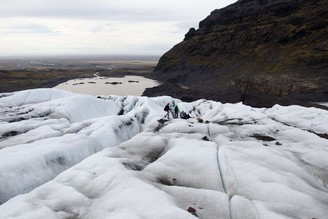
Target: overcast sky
[{"x": 104, "y": 27}]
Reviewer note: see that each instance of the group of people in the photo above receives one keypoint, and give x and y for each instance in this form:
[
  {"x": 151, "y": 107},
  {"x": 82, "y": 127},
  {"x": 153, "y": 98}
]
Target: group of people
[{"x": 174, "y": 110}]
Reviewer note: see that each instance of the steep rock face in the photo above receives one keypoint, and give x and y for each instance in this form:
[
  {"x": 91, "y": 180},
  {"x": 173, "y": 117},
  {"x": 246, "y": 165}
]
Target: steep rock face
[{"x": 257, "y": 51}]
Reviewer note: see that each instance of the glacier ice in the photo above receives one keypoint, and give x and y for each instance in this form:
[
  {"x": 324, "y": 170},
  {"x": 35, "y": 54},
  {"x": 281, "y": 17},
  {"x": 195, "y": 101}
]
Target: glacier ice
[{"x": 65, "y": 155}]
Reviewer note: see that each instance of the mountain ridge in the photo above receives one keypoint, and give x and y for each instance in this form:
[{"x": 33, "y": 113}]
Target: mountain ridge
[{"x": 257, "y": 52}]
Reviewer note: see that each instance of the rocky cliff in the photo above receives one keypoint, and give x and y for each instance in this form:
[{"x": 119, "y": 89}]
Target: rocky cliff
[{"x": 260, "y": 52}]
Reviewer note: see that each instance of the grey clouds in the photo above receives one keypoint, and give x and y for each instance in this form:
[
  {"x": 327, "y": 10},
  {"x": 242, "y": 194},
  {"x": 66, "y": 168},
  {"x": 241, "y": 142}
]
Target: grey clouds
[{"x": 142, "y": 27}]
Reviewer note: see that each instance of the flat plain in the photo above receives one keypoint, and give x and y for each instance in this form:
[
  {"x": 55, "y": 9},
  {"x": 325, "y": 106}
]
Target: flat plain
[{"x": 40, "y": 72}]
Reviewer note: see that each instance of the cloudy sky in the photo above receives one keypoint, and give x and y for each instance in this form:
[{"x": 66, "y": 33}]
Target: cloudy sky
[{"x": 115, "y": 27}]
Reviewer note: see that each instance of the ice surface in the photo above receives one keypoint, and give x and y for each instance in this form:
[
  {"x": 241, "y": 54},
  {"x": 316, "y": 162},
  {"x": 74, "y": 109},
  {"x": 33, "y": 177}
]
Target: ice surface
[
  {"x": 32, "y": 96},
  {"x": 78, "y": 156}
]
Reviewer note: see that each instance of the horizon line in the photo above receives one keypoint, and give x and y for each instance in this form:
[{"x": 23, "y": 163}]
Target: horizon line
[{"x": 80, "y": 56}]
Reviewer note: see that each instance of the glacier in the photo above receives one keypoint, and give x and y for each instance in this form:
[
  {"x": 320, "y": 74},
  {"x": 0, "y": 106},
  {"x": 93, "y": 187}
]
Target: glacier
[{"x": 65, "y": 155}]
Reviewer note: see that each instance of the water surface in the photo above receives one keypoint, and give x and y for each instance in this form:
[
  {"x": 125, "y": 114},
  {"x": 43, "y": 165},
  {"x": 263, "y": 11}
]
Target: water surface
[{"x": 128, "y": 85}]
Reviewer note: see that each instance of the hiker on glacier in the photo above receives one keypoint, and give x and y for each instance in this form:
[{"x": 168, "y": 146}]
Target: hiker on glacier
[
  {"x": 167, "y": 109},
  {"x": 176, "y": 111}
]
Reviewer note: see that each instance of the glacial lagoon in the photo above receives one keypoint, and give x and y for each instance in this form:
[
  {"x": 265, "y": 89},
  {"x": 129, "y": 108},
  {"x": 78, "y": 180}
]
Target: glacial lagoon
[{"x": 128, "y": 85}]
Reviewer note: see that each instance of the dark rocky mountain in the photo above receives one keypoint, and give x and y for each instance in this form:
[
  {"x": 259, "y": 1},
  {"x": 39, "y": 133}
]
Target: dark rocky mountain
[{"x": 260, "y": 52}]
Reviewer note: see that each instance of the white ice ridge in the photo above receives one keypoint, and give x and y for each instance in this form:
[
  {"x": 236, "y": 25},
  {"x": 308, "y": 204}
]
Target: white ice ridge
[{"x": 78, "y": 156}]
